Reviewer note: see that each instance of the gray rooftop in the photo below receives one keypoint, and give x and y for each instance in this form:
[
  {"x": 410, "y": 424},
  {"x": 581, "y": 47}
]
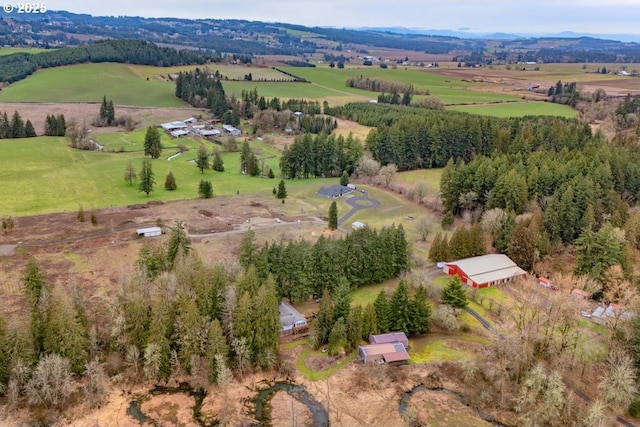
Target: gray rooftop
[
  {"x": 289, "y": 315},
  {"x": 334, "y": 191}
]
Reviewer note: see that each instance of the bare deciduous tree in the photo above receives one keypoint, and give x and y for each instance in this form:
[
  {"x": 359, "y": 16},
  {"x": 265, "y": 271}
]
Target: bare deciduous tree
[
  {"x": 388, "y": 173},
  {"x": 367, "y": 166},
  {"x": 96, "y": 387},
  {"x": 618, "y": 383},
  {"x": 51, "y": 383},
  {"x": 419, "y": 191},
  {"x": 424, "y": 225}
]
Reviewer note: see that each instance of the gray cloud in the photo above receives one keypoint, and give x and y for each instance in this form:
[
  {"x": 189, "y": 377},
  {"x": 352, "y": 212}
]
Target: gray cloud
[{"x": 612, "y": 16}]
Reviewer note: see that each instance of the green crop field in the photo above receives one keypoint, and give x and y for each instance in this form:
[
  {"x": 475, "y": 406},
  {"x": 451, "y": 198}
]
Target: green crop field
[
  {"x": 89, "y": 83},
  {"x": 229, "y": 71},
  {"x": 517, "y": 109}
]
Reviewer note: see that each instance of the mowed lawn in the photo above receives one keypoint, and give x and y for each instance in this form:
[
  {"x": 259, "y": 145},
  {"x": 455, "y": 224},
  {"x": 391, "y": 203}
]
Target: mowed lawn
[
  {"x": 89, "y": 83},
  {"x": 43, "y": 175}
]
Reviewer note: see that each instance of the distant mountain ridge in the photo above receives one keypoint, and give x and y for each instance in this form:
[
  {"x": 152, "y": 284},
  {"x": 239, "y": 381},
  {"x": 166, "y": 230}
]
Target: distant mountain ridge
[
  {"x": 245, "y": 39},
  {"x": 464, "y": 34}
]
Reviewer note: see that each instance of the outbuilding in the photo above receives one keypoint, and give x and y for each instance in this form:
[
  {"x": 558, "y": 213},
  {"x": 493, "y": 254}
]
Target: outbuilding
[
  {"x": 486, "y": 270},
  {"x": 383, "y": 353},
  {"x": 390, "y": 337},
  {"x": 149, "y": 232}
]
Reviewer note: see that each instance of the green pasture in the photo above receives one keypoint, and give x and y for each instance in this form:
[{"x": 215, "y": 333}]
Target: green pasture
[
  {"x": 368, "y": 293},
  {"x": 11, "y": 50},
  {"x": 517, "y": 109},
  {"x": 429, "y": 176},
  {"x": 449, "y": 90},
  {"x": 43, "y": 175},
  {"x": 284, "y": 90},
  {"x": 437, "y": 348},
  {"x": 227, "y": 70},
  {"x": 89, "y": 83}
]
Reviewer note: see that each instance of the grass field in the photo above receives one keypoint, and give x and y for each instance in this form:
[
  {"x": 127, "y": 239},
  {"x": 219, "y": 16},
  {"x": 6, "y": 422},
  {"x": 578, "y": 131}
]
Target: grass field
[
  {"x": 517, "y": 109},
  {"x": 89, "y": 83},
  {"x": 11, "y": 50},
  {"x": 33, "y": 172}
]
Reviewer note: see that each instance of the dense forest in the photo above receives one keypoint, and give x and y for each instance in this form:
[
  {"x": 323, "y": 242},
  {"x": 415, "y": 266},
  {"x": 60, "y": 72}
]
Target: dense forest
[{"x": 20, "y": 65}]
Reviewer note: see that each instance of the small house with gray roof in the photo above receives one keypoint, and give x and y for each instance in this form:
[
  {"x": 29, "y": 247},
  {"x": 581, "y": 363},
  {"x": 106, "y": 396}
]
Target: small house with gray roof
[{"x": 292, "y": 320}]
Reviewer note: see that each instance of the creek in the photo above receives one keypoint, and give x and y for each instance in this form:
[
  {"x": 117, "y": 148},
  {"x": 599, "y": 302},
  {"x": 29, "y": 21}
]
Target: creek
[
  {"x": 263, "y": 409},
  {"x": 198, "y": 395}
]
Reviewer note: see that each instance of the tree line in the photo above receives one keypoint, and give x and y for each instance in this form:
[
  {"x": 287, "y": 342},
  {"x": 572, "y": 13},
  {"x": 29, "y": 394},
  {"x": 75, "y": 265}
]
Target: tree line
[
  {"x": 20, "y": 65},
  {"x": 302, "y": 269},
  {"x": 15, "y": 127}
]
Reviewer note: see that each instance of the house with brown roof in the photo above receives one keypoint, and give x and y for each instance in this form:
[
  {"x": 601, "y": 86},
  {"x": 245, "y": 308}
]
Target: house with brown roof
[
  {"x": 393, "y": 352},
  {"x": 390, "y": 337}
]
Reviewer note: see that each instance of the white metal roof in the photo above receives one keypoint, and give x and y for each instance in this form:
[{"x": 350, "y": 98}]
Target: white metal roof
[{"x": 488, "y": 268}]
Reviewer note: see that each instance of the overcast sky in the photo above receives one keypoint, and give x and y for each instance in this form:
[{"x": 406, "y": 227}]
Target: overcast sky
[{"x": 487, "y": 16}]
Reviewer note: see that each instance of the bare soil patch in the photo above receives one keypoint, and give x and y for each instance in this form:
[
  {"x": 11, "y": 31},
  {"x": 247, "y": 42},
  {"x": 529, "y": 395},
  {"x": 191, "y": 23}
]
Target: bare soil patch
[{"x": 83, "y": 112}]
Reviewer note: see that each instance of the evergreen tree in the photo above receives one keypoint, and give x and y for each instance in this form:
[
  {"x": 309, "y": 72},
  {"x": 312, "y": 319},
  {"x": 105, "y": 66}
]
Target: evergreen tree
[
  {"x": 420, "y": 312},
  {"x": 454, "y": 294},
  {"x": 383, "y": 312},
  {"x": 60, "y": 125},
  {"x": 152, "y": 144},
  {"x": 267, "y": 324},
  {"x": 341, "y": 299},
  {"x": 344, "y": 179},
  {"x": 111, "y": 114},
  {"x": 64, "y": 332},
  {"x": 522, "y": 246},
  {"x": 202, "y": 161},
  {"x": 16, "y": 128},
  {"x": 435, "y": 251},
  {"x": 179, "y": 242},
  {"x": 282, "y": 190},
  {"x": 29, "y": 130},
  {"x": 369, "y": 321},
  {"x": 333, "y": 216},
  {"x": 103, "y": 109},
  {"x": 355, "y": 326},
  {"x": 35, "y": 288},
  {"x": 400, "y": 309},
  {"x": 170, "y": 182},
  {"x": 146, "y": 177},
  {"x": 216, "y": 345},
  {"x": 218, "y": 163},
  {"x": 205, "y": 189},
  {"x": 337, "y": 337},
  {"x": 129, "y": 173},
  {"x": 325, "y": 319},
  {"x": 248, "y": 250}
]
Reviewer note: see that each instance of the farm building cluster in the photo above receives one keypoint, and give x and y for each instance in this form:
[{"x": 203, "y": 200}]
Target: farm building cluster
[{"x": 181, "y": 128}]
